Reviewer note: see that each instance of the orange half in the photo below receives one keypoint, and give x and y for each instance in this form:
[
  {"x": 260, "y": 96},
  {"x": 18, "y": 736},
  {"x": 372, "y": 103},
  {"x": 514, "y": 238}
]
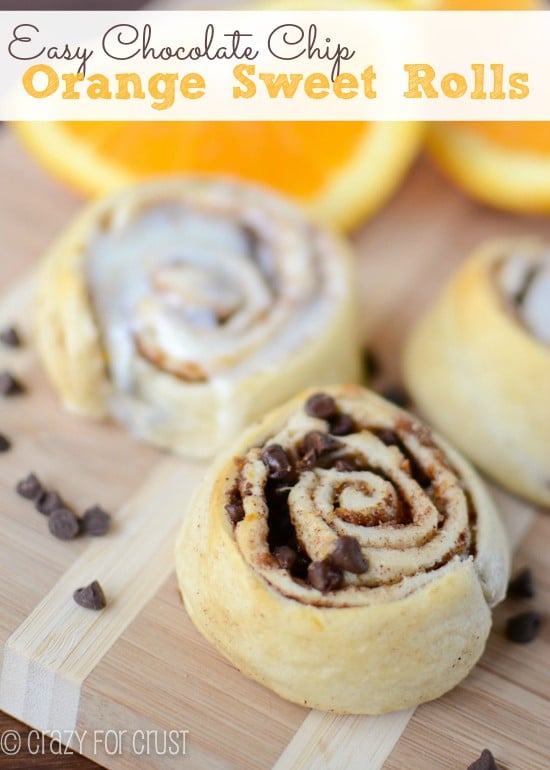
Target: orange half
[
  {"x": 506, "y": 165},
  {"x": 342, "y": 172}
]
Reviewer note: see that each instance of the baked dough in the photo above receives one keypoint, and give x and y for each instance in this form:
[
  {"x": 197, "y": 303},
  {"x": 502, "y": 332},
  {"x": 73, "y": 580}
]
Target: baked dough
[
  {"x": 398, "y": 555},
  {"x": 478, "y": 364},
  {"x": 185, "y": 308}
]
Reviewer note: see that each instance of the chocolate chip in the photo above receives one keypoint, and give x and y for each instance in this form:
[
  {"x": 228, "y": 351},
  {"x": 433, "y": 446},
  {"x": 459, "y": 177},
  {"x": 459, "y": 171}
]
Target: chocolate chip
[
  {"x": 286, "y": 556},
  {"x": 91, "y": 597},
  {"x": 485, "y": 762},
  {"x": 397, "y": 395},
  {"x": 324, "y": 575},
  {"x": 371, "y": 364},
  {"x": 521, "y": 586},
  {"x": 308, "y": 461},
  {"x": 344, "y": 466},
  {"x": 276, "y": 460},
  {"x": 29, "y": 488},
  {"x": 48, "y": 502},
  {"x": 63, "y": 524},
  {"x": 5, "y": 443},
  {"x": 9, "y": 385},
  {"x": 96, "y": 521},
  {"x": 341, "y": 425},
  {"x": 523, "y": 628},
  {"x": 235, "y": 511},
  {"x": 319, "y": 442},
  {"x": 348, "y": 556},
  {"x": 387, "y": 436},
  {"x": 10, "y": 337},
  {"x": 320, "y": 405}
]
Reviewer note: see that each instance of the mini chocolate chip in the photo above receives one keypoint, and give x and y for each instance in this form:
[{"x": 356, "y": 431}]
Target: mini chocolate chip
[
  {"x": 341, "y": 425},
  {"x": 523, "y": 628},
  {"x": 521, "y": 586},
  {"x": 96, "y": 521},
  {"x": 344, "y": 466},
  {"x": 63, "y": 524},
  {"x": 286, "y": 556},
  {"x": 48, "y": 502},
  {"x": 91, "y": 597},
  {"x": 371, "y": 363},
  {"x": 319, "y": 442},
  {"x": 387, "y": 436},
  {"x": 324, "y": 576},
  {"x": 397, "y": 395},
  {"x": 320, "y": 405},
  {"x": 5, "y": 443},
  {"x": 9, "y": 385},
  {"x": 485, "y": 762},
  {"x": 29, "y": 488},
  {"x": 348, "y": 556},
  {"x": 276, "y": 460},
  {"x": 235, "y": 511},
  {"x": 308, "y": 461},
  {"x": 10, "y": 337}
]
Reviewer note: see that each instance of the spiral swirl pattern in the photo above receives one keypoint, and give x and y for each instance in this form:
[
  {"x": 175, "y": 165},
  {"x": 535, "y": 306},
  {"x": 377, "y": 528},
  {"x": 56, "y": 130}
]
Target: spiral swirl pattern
[
  {"x": 188, "y": 307},
  {"x": 212, "y": 281},
  {"x": 523, "y": 276},
  {"x": 352, "y": 519}
]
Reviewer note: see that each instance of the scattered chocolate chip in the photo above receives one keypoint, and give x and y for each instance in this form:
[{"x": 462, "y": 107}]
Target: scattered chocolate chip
[
  {"x": 10, "y": 337},
  {"x": 523, "y": 628},
  {"x": 29, "y": 488},
  {"x": 5, "y": 443},
  {"x": 48, "y": 502},
  {"x": 521, "y": 586},
  {"x": 91, "y": 597},
  {"x": 286, "y": 556},
  {"x": 324, "y": 576},
  {"x": 277, "y": 462},
  {"x": 341, "y": 425},
  {"x": 344, "y": 466},
  {"x": 485, "y": 762},
  {"x": 321, "y": 405},
  {"x": 348, "y": 556},
  {"x": 63, "y": 524},
  {"x": 9, "y": 385},
  {"x": 96, "y": 521},
  {"x": 397, "y": 395},
  {"x": 319, "y": 442}
]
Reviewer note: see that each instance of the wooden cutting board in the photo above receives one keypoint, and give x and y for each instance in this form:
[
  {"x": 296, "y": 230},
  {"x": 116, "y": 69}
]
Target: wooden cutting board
[{"x": 140, "y": 665}]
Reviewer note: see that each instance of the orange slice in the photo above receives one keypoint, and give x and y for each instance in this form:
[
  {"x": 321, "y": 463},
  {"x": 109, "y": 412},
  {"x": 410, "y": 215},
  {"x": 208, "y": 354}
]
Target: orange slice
[
  {"x": 506, "y": 165},
  {"x": 341, "y": 171}
]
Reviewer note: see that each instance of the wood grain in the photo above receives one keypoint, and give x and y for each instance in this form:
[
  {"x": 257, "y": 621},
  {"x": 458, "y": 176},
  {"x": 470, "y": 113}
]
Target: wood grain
[{"x": 157, "y": 673}]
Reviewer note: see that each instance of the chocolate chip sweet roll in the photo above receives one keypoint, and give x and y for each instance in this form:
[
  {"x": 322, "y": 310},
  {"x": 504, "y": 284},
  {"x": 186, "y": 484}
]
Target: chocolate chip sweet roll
[
  {"x": 185, "y": 308},
  {"x": 478, "y": 364},
  {"x": 343, "y": 556}
]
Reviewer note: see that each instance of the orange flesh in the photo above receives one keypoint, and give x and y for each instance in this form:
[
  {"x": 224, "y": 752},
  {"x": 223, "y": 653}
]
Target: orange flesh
[
  {"x": 517, "y": 136},
  {"x": 295, "y": 157}
]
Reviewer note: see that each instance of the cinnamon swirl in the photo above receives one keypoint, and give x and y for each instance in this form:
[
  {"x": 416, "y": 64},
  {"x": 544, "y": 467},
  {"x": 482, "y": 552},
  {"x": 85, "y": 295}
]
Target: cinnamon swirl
[
  {"x": 478, "y": 364},
  {"x": 187, "y": 307},
  {"x": 343, "y": 556}
]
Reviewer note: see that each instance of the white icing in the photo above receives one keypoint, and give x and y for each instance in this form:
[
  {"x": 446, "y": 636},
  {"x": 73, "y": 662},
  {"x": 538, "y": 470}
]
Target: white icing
[
  {"x": 177, "y": 278},
  {"x": 525, "y": 279}
]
